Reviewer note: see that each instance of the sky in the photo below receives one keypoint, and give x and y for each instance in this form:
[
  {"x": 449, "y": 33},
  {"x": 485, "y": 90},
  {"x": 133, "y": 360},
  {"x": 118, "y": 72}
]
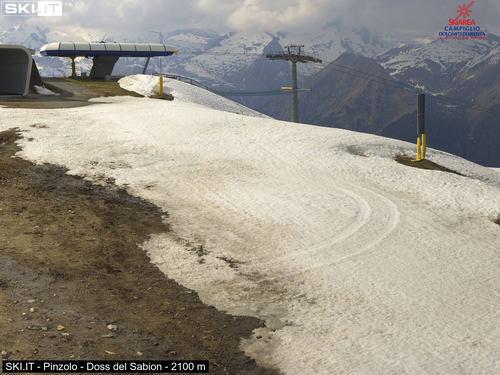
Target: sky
[{"x": 395, "y": 18}]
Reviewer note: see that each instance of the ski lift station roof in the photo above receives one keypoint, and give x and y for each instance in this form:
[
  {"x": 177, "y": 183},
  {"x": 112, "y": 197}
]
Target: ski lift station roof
[{"x": 68, "y": 49}]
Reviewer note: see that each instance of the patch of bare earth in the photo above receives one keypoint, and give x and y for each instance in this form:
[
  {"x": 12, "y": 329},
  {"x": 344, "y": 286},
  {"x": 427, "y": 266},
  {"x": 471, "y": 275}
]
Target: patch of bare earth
[
  {"x": 423, "y": 164},
  {"x": 162, "y": 97},
  {"x": 102, "y": 88},
  {"x": 70, "y": 266}
]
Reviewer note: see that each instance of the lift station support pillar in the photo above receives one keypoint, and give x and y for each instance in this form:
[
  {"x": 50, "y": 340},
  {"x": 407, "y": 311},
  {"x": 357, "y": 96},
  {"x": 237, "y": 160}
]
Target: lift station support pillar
[{"x": 73, "y": 67}]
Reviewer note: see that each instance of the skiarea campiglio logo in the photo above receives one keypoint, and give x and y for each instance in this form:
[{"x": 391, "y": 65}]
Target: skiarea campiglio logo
[{"x": 463, "y": 26}]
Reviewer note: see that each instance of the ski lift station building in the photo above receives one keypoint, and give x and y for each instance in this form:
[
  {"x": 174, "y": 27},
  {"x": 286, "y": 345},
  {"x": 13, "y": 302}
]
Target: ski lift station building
[
  {"x": 16, "y": 62},
  {"x": 15, "y": 69},
  {"x": 105, "y": 55}
]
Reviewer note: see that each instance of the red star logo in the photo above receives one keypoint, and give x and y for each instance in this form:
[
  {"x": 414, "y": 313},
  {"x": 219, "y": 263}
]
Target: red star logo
[{"x": 464, "y": 10}]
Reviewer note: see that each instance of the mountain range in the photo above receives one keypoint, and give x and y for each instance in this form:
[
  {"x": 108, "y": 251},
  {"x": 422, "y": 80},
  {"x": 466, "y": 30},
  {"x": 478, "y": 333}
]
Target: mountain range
[
  {"x": 228, "y": 62},
  {"x": 466, "y": 70},
  {"x": 378, "y": 96}
]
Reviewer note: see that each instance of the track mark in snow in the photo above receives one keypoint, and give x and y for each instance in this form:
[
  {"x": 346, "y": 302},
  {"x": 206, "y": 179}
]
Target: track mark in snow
[
  {"x": 392, "y": 220},
  {"x": 376, "y": 219},
  {"x": 362, "y": 216}
]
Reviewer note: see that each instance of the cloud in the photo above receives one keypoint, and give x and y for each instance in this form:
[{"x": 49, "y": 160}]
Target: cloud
[
  {"x": 405, "y": 18},
  {"x": 128, "y": 16},
  {"x": 285, "y": 15},
  {"x": 388, "y": 17},
  {"x": 416, "y": 18}
]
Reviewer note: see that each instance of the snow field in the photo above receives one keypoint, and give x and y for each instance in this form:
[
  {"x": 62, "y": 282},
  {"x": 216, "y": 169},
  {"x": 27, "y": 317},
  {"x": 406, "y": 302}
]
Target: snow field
[
  {"x": 149, "y": 85},
  {"x": 42, "y": 90},
  {"x": 358, "y": 264}
]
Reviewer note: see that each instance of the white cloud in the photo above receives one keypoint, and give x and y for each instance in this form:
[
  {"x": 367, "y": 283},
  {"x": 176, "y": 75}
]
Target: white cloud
[
  {"x": 406, "y": 18},
  {"x": 285, "y": 15}
]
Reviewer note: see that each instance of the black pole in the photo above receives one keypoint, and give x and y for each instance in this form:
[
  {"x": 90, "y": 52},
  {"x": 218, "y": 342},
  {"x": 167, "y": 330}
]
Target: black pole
[
  {"x": 420, "y": 114},
  {"x": 295, "y": 96}
]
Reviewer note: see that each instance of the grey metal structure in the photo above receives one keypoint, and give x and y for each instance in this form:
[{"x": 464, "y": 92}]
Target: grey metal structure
[
  {"x": 103, "y": 66},
  {"x": 105, "y": 55},
  {"x": 294, "y": 54},
  {"x": 15, "y": 69}
]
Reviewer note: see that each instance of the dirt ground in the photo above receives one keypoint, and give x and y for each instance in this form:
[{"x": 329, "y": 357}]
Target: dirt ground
[
  {"x": 423, "y": 164},
  {"x": 75, "y": 285},
  {"x": 99, "y": 87},
  {"x": 73, "y": 92}
]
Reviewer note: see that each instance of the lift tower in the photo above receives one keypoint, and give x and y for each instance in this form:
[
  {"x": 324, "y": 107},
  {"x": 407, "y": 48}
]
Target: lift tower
[{"x": 294, "y": 54}]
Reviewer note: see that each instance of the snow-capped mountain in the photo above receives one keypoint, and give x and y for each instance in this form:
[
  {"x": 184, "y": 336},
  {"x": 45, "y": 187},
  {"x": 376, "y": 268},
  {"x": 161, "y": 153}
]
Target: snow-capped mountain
[
  {"x": 332, "y": 41},
  {"x": 434, "y": 66},
  {"x": 237, "y": 52},
  {"x": 228, "y": 60},
  {"x": 29, "y": 36},
  {"x": 233, "y": 62},
  {"x": 379, "y": 106},
  {"x": 34, "y": 37},
  {"x": 236, "y": 62}
]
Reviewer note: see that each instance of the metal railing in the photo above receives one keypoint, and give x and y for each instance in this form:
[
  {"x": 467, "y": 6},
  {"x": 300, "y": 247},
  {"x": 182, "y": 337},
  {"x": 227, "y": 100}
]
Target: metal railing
[{"x": 197, "y": 84}]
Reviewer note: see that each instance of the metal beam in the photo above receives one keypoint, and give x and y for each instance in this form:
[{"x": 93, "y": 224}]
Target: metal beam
[{"x": 146, "y": 66}]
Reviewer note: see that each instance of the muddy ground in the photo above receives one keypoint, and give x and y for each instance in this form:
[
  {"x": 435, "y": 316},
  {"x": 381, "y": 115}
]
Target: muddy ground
[
  {"x": 423, "y": 164},
  {"x": 70, "y": 266}
]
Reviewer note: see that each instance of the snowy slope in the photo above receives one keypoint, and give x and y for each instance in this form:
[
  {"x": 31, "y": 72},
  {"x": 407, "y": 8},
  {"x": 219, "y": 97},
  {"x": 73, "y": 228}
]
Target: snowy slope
[
  {"x": 358, "y": 264},
  {"x": 492, "y": 57},
  {"x": 148, "y": 85}
]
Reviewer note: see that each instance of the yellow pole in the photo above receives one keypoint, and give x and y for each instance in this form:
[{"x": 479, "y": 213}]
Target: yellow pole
[
  {"x": 419, "y": 157},
  {"x": 160, "y": 89},
  {"x": 424, "y": 145}
]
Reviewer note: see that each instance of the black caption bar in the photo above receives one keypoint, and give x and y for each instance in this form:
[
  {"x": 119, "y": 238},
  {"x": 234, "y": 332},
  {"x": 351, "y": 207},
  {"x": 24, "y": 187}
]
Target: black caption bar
[{"x": 104, "y": 366}]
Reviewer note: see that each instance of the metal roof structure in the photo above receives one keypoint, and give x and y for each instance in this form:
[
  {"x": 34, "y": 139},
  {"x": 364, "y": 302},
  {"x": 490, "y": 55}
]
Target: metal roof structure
[
  {"x": 67, "y": 49},
  {"x": 105, "y": 55}
]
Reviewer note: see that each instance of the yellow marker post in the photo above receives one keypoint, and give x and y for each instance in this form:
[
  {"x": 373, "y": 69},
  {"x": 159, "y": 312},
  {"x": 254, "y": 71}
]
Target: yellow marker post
[
  {"x": 160, "y": 87},
  {"x": 421, "y": 147},
  {"x": 419, "y": 154},
  {"x": 73, "y": 67},
  {"x": 424, "y": 145},
  {"x": 421, "y": 140}
]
